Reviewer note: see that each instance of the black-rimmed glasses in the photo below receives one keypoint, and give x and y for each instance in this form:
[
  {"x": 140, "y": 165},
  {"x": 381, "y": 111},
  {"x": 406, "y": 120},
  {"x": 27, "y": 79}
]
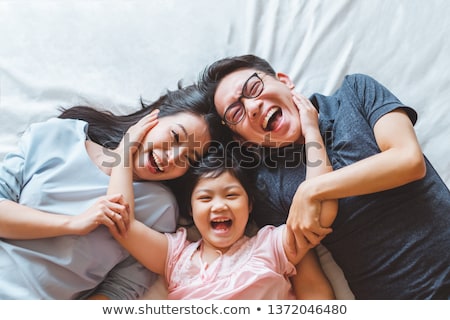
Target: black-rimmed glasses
[{"x": 251, "y": 89}]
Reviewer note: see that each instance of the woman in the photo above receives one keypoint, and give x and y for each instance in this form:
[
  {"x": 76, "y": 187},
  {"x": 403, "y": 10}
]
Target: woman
[{"x": 54, "y": 212}]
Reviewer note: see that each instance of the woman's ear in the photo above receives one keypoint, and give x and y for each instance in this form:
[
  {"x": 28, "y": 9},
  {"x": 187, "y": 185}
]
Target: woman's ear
[{"x": 284, "y": 78}]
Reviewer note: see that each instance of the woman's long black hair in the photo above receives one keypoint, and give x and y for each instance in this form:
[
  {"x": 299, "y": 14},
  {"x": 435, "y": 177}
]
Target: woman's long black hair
[{"x": 108, "y": 129}]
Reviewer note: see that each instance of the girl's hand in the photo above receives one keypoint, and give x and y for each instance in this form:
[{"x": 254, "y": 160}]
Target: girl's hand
[
  {"x": 111, "y": 211},
  {"x": 309, "y": 117}
]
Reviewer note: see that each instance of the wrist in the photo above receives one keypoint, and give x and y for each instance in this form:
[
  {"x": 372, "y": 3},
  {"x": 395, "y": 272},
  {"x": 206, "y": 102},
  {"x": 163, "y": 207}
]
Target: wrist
[
  {"x": 312, "y": 134},
  {"x": 68, "y": 226},
  {"x": 311, "y": 190}
]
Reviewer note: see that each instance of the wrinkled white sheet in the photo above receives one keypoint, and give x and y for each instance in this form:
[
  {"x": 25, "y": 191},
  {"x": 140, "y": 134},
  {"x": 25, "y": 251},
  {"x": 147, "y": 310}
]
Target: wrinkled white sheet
[{"x": 110, "y": 53}]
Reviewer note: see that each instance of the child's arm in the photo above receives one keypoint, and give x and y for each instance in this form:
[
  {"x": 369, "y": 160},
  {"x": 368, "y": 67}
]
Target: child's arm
[
  {"x": 148, "y": 246},
  {"x": 317, "y": 164},
  {"x": 310, "y": 282}
]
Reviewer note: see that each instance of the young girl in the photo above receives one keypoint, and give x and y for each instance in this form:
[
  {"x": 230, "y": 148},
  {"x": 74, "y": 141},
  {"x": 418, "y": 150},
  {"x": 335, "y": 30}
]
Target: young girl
[
  {"x": 224, "y": 263},
  {"x": 53, "y": 203}
]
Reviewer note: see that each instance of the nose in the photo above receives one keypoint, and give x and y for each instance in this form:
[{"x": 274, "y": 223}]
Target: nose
[
  {"x": 253, "y": 107},
  {"x": 218, "y": 205}
]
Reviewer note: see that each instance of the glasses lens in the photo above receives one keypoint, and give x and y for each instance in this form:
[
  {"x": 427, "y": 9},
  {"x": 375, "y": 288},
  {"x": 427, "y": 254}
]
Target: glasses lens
[
  {"x": 253, "y": 87},
  {"x": 235, "y": 113}
]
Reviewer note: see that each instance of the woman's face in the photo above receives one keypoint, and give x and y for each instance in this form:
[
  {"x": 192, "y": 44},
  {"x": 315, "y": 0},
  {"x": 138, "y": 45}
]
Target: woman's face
[
  {"x": 169, "y": 146},
  {"x": 220, "y": 209}
]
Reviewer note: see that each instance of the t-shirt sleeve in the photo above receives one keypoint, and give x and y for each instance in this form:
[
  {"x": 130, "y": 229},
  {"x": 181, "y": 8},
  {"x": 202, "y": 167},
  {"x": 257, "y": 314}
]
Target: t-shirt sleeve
[
  {"x": 375, "y": 99},
  {"x": 35, "y": 145},
  {"x": 13, "y": 167},
  {"x": 269, "y": 243},
  {"x": 176, "y": 243},
  {"x": 11, "y": 176}
]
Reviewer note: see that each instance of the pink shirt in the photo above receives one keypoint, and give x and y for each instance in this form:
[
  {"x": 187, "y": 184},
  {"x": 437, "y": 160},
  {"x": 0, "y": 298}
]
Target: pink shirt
[{"x": 253, "y": 268}]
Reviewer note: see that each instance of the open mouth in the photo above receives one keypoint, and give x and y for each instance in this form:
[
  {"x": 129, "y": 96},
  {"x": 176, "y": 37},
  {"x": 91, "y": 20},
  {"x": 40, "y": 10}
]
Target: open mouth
[
  {"x": 155, "y": 162},
  {"x": 271, "y": 119},
  {"x": 221, "y": 224}
]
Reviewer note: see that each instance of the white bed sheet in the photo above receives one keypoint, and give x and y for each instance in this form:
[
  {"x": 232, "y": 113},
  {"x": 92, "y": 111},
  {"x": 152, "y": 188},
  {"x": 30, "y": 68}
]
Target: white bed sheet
[{"x": 110, "y": 53}]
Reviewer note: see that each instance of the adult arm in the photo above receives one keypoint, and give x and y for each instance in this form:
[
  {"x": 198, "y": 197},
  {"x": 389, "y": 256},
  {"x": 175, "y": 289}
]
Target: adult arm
[
  {"x": 148, "y": 246},
  {"x": 21, "y": 222},
  {"x": 299, "y": 237},
  {"x": 310, "y": 282},
  {"x": 18, "y": 169},
  {"x": 400, "y": 161}
]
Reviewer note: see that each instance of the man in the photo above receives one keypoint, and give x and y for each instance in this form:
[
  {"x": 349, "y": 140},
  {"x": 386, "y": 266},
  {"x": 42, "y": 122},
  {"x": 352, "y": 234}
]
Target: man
[{"x": 391, "y": 235}]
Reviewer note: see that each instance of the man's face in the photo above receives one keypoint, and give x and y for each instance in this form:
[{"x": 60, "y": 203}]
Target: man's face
[{"x": 271, "y": 119}]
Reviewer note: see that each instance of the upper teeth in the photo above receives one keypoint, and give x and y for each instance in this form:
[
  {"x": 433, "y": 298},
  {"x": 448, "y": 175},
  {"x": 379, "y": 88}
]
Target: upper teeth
[
  {"x": 268, "y": 116},
  {"x": 158, "y": 163}
]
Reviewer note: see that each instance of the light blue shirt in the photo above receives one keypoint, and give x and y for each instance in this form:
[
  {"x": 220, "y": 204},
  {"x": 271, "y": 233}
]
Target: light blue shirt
[{"x": 52, "y": 172}]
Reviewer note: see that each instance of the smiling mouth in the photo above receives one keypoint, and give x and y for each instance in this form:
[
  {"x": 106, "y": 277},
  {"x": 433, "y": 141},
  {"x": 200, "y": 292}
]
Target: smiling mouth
[
  {"x": 221, "y": 224},
  {"x": 155, "y": 162},
  {"x": 271, "y": 119}
]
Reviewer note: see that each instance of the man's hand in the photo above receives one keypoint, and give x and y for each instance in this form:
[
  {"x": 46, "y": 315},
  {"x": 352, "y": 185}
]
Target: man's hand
[{"x": 304, "y": 216}]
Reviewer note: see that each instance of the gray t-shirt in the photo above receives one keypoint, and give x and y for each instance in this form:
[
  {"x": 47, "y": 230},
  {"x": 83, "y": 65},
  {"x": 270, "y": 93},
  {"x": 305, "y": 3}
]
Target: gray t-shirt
[
  {"x": 52, "y": 172},
  {"x": 393, "y": 244}
]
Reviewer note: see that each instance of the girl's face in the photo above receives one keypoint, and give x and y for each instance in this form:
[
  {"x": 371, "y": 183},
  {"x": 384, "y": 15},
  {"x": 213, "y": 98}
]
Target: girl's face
[
  {"x": 167, "y": 148},
  {"x": 220, "y": 209}
]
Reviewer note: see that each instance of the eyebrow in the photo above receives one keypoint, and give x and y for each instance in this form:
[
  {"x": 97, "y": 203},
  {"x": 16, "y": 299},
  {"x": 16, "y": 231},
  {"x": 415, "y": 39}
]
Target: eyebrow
[
  {"x": 182, "y": 128},
  {"x": 227, "y": 188},
  {"x": 239, "y": 89},
  {"x": 197, "y": 155}
]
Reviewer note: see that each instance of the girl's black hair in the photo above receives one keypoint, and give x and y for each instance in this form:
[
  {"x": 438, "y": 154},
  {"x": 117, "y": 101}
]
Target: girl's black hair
[
  {"x": 108, "y": 129},
  {"x": 214, "y": 164}
]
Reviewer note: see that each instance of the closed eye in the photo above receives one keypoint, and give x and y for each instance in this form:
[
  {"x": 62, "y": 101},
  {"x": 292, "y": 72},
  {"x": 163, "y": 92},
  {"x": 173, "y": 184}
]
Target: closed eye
[{"x": 254, "y": 89}]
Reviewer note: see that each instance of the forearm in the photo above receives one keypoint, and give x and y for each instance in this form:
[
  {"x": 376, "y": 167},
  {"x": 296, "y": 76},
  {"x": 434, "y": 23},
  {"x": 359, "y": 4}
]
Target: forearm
[
  {"x": 121, "y": 182},
  {"x": 318, "y": 164},
  {"x": 310, "y": 282},
  {"x": 400, "y": 161},
  {"x": 20, "y": 222},
  {"x": 383, "y": 171}
]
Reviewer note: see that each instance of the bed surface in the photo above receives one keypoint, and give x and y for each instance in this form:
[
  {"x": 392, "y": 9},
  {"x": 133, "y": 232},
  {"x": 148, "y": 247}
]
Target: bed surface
[{"x": 110, "y": 53}]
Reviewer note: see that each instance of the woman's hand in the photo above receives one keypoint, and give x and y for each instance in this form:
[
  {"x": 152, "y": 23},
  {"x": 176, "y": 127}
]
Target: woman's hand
[
  {"x": 132, "y": 140},
  {"x": 111, "y": 211}
]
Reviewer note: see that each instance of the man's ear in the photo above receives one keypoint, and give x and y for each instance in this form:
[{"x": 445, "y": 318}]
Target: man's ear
[{"x": 284, "y": 78}]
